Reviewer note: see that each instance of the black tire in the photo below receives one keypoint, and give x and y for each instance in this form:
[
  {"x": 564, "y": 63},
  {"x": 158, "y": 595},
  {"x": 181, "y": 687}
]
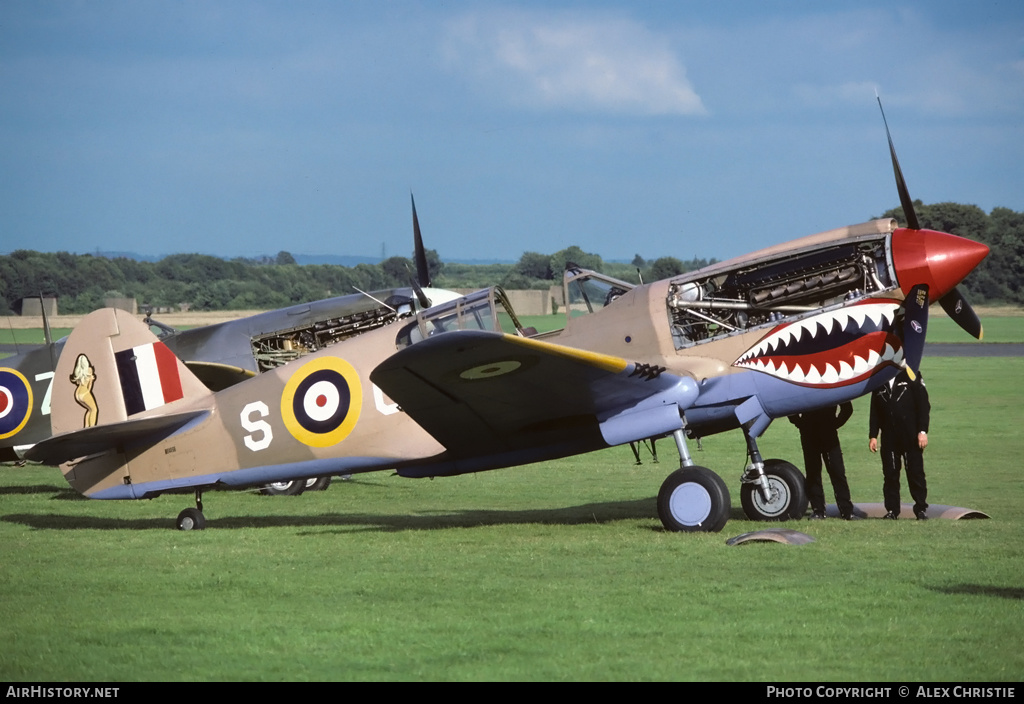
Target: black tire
[
  {"x": 191, "y": 519},
  {"x": 789, "y": 494},
  {"x": 317, "y": 483},
  {"x": 694, "y": 499},
  {"x": 292, "y": 488}
]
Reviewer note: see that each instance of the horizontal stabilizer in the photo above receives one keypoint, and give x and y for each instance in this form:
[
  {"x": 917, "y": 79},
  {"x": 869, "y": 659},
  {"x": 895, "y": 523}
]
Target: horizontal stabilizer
[{"x": 80, "y": 443}]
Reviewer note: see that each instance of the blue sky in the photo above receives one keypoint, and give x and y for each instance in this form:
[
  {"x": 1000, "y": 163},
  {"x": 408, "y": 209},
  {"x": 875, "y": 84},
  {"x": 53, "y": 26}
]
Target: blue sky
[{"x": 654, "y": 128}]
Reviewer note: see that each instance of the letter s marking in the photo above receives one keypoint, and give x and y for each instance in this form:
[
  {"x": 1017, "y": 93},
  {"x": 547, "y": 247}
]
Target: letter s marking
[{"x": 256, "y": 426}]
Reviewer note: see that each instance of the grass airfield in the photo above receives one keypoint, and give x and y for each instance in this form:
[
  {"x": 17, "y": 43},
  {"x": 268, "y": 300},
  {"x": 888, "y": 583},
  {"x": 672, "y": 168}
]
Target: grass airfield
[{"x": 555, "y": 571}]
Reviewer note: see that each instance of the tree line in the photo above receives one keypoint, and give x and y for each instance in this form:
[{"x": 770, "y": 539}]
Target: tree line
[{"x": 81, "y": 282}]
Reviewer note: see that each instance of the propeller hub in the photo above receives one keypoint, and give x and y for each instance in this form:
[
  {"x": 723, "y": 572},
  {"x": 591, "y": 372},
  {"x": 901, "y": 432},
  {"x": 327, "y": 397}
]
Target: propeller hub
[{"x": 937, "y": 259}]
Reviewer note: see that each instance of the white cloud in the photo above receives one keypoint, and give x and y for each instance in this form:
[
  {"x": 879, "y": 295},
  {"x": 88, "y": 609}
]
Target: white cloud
[{"x": 572, "y": 62}]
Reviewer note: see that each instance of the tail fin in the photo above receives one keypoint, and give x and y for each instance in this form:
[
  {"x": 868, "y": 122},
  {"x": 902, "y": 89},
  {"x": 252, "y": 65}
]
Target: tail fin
[
  {"x": 112, "y": 383},
  {"x": 112, "y": 369}
]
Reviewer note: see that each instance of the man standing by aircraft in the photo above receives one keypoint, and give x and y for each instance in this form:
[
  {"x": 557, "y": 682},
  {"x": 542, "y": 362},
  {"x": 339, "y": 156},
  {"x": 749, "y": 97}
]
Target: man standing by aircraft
[
  {"x": 900, "y": 410},
  {"x": 819, "y": 438}
]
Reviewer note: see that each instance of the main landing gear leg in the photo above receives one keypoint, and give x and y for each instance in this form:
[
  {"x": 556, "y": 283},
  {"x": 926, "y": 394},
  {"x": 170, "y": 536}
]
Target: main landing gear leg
[
  {"x": 692, "y": 498},
  {"x": 193, "y": 518},
  {"x": 684, "y": 452},
  {"x": 754, "y": 474},
  {"x": 771, "y": 490}
]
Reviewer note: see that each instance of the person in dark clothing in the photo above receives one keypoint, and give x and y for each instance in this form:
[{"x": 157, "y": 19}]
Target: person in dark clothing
[
  {"x": 900, "y": 410},
  {"x": 820, "y": 441}
]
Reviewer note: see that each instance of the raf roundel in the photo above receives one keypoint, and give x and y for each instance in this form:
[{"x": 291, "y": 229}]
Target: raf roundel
[
  {"x": 321, "y": 402},
  {"x": 486, "y": 371},
  {"x": 15, "y": 402}
]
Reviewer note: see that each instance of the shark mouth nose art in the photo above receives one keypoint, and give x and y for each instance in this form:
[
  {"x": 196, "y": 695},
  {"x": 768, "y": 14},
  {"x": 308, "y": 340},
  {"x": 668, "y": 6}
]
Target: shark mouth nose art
[{"x": 836, "y": 348}]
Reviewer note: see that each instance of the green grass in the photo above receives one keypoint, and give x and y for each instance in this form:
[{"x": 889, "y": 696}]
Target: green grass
[
  {"x": 543, "y": 323},
  {"x": 997, "y": 328},
  {"x": 557, "y": 571},
  {"x": 29, "y": 336}
]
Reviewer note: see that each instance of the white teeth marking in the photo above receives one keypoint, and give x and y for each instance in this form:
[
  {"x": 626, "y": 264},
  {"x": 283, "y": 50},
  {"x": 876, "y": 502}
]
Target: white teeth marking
[
  {"x": 880, "y": 314},
  {"x": 859, "y": 315},
  {"x": 831, "y": 321},
  {"x": 830, "y": 376}
]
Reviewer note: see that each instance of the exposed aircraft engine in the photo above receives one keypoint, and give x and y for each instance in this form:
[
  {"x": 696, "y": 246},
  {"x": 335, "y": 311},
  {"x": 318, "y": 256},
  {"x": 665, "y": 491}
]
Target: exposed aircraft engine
[
  {"x": 282, "y": 346},
  {"x": 767, "y": 291}
]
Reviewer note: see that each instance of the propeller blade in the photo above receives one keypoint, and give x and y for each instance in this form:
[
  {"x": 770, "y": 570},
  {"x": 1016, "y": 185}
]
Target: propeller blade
[
  {"x": 420, "y": 296},
  {"x": 915, "y": 326},
  {"x": 46, "y": 333},
  {"x": 954, "y": 303},
  {"x": 901, "y": 185},
  {"x": 422, "y": 270},
  {"x": 957, "y": 308}
]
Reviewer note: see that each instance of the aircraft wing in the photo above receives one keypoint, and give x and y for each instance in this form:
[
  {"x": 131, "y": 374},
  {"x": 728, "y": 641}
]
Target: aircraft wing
[
  {"x": 79, "y": 443},
  {"x": 480, "y": 392}
]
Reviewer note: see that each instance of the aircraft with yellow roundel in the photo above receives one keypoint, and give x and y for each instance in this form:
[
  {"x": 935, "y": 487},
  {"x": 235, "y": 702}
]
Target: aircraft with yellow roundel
[
  {"x": 463, "y": 387},
  {"x": 221, "y": 354}
]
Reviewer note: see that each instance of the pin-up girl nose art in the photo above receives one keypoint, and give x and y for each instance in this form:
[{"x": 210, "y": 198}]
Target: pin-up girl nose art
[{"x": 83, "y": 377}]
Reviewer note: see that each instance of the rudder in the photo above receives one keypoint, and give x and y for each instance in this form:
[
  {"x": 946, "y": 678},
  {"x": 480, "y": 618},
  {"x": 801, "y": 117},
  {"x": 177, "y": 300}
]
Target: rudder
[{"x": 113, "y": 368}]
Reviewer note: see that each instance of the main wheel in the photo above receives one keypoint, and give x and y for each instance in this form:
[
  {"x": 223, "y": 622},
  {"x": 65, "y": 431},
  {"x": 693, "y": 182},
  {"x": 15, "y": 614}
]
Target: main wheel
[
  {"x": 191, "y": 519},
  {"x": 292, "y": 488},
  {"x": 694, "y": 499},
  {"x": 317, "y": 483},
  {"x": 788, "y": 494}
]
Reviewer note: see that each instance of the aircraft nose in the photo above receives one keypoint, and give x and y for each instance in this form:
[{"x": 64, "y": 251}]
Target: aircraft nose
[{"x": 938, "y": 259}]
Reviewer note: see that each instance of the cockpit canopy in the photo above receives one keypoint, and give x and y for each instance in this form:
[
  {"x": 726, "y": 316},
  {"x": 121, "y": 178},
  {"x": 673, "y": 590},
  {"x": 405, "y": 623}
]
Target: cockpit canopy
[
  {"x": 588, "y": 291},
  {"x": 488, "y": 309}
]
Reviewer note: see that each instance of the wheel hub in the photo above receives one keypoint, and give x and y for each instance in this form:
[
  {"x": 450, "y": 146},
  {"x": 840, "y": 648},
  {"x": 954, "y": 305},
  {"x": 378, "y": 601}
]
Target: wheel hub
[
  {"x": 690, "y": 504},
  {"x": 777, "y": 503}
]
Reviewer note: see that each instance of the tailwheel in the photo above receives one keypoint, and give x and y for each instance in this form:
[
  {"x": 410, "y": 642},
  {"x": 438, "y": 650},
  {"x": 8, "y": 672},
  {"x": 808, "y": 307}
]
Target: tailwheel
[
  {"x": 191, "y": 519},
  {"x": 787, "y": 495},
  {"x": 694, "y": 499}
]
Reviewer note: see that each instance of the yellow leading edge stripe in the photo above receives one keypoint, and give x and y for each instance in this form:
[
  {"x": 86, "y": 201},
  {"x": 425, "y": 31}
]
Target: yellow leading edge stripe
[{"x": 606, "y": 362}]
